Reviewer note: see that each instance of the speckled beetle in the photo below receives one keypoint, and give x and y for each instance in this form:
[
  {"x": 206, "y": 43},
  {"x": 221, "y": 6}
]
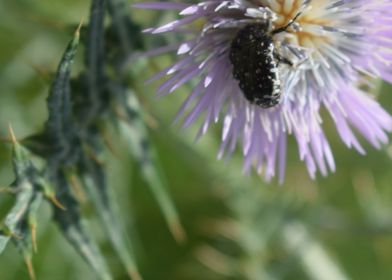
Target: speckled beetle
[{"x": 255, "y": 60}]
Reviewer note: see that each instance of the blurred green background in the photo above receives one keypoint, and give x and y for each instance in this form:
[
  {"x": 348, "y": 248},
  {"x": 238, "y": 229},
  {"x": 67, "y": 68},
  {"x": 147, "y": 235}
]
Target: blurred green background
[{"x": 238, "y": 227}]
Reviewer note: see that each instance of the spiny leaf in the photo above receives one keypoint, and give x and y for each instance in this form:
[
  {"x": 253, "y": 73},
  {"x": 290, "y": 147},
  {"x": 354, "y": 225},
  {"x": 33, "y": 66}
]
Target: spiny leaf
[
  {"x": 59, "y": 129},
  {"x": 22, "y": 165},
  {"x": 20, "y": 223},
  {"x": 94, "y": 180},
  {"x": 49, "y": 193},
  {"x": 30, "y": 268},
  {"x": 136, "y": 133},
  {"x": 24, "y": 190},
  {"x": 309, "y": 251},
  {"x": 59, "y": 100},
  {"x": 70, "y": 223},
  {"x": 16, "y": 215},
  {"x": 122, "y": 27},
  {"x": 24, "y": 236},
  {"x": 32, "y": 219},
  {"x": 95, "y": 61}
]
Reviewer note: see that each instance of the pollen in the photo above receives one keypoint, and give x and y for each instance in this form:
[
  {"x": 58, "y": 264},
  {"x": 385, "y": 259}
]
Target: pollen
[{"x": 310, "y": 34}]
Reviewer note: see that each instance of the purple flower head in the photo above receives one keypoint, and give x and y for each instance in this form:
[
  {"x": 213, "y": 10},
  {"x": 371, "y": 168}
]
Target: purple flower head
[{"x": 322, "y": 57}]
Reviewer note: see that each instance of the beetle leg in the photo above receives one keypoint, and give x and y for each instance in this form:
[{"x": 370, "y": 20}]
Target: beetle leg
[{"x": 282, "y": 59}]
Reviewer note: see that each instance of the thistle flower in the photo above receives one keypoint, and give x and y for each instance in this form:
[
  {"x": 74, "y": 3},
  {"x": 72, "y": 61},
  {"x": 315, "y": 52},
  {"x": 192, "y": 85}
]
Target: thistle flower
[{"x": 324, "y": 52}]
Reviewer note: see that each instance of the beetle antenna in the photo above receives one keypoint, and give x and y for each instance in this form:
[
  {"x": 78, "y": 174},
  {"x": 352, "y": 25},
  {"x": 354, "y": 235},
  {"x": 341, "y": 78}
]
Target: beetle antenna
[
  {"x": 304, "y": 6},
  {"x": 291, "y": 22}
]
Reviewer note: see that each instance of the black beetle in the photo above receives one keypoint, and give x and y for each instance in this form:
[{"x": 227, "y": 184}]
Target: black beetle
[{"x": 255, "y": 60}]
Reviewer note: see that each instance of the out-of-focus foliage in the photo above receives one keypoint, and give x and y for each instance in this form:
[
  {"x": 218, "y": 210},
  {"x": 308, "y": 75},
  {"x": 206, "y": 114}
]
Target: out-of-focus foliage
[
  {"x": 100, "y": 156},
  {"x": 72, "y": 143}
]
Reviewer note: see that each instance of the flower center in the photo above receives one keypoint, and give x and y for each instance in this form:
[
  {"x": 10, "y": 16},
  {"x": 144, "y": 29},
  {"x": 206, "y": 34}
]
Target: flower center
[{"x": 310, "y": 23}]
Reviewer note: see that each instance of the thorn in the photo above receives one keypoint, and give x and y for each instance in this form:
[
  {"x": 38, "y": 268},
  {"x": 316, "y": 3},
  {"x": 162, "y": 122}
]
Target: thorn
[
  {"x": 33, "y": 229},
  {"x": 178, "y": 232},
  {"x": 77, "y": 33},
  {"x": 42, "y": 72},
  {"x": 30, "y": 268},
  {"x": 57, "y": 203},
  {"x": 109, "y": 144},
  {"x": 4, "y": 230},
  {"x": 215, "y": 260},
  {"x": 122, "y": 116},
  {"x": 16, "y": 236},
  {"x": 5, "y": 139},
  {"x": 134, "y": 274},
  {"x": 151, "y": 121},
  {"x": 57, "y": 25},
  {"x": 11, "y": 131},
  {"x": 92, "y": 156},
  {"x": 6, "y": 190},
  {"x": 77, "y": 189},
  {"x": 147, "y": 118}
]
